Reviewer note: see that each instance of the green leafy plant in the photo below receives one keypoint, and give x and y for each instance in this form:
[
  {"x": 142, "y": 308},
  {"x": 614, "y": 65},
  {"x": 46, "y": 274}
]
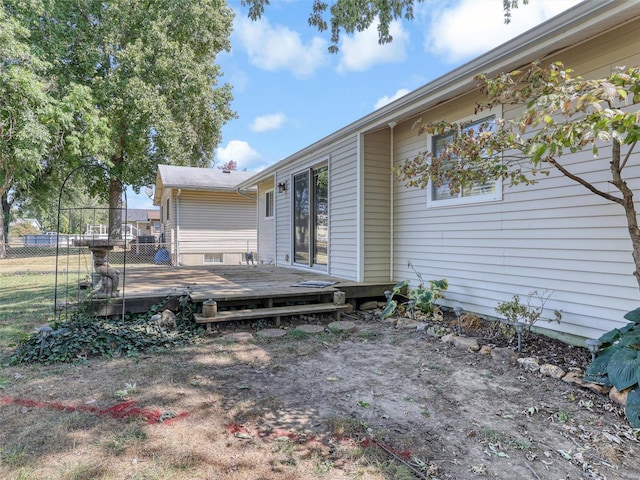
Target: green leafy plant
[
  {"x": 528, "y": 313},
  {"x": 84, "y": 336},
  {"x": 618, "y": 364},
  {"x": 423, "y": 295}
]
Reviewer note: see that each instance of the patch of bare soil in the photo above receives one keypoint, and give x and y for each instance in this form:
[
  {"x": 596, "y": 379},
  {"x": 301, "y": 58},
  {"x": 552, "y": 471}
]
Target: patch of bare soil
[{"x": 381, "y": 402}]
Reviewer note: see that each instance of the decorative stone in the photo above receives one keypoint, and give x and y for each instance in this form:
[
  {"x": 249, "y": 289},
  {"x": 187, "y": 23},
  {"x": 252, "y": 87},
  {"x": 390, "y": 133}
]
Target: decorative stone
[
  {"x": 504, "y": 355},
  {"x": 271, "y": 333},
  {"x": 448, "y": 338},
  {"x": 372, "y": 305},
  {"x": 342, "y": 327},
  {"x": 466, "y": 343},
  {"x": 238, "y": 337},
  {"x": 552, "y": 371},
  {"x": 619, "y": 397},
  {"x": 576, "y": 378},
  {"x": 311, "y": 328},
  {"x": 421, "y": 326},
  {"x": 529, "y": 363},
  {"x": 485, "y": 350}
]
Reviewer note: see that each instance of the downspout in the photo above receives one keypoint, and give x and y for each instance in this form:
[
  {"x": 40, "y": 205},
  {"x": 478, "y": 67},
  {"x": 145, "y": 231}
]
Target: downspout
[
  {"x": 391, "y": 205},
  {"x": 178, "y": 226}
]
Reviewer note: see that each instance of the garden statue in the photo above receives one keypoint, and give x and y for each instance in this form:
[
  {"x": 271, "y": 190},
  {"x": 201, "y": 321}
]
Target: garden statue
[{"x": 109, "y": 276}]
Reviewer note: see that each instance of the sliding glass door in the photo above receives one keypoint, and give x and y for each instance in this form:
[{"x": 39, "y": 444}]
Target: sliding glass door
[{"x": 310, "y": 217}]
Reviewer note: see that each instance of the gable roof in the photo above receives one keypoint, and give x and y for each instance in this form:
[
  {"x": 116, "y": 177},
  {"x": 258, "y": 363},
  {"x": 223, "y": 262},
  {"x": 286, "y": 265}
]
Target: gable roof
[
  {"x": 193, "y": 178},
  {"x": 576, "y": 25}
]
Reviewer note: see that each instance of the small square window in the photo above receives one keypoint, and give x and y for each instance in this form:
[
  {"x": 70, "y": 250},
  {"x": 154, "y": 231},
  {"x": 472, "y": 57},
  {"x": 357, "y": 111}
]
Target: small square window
[
  {"x": 213, "y": 258},
  {"x": 269, "y": 204}
]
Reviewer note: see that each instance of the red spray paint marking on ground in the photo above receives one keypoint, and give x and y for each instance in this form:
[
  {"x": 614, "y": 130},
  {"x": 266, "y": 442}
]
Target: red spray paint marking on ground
[{"x": 120, "y": 410}]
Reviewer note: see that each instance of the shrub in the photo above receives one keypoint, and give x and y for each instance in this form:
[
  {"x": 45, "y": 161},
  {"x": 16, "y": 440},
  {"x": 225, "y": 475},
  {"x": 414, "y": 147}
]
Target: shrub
[{"x": 618, "y": 364}]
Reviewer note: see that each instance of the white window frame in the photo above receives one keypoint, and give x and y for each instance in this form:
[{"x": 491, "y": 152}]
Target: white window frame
[
  {"x": 267, "y": 202},
  {"x": 214, "y": 261},
  {"x": 494, "y": 196}
]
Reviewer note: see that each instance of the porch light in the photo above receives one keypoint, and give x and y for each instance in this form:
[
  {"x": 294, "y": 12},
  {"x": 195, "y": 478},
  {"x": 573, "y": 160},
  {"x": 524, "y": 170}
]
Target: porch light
[
  {"x": 282, "y": 187},
  {"x": 593, "y": 344},
  {"x": 458, "y": 312}
]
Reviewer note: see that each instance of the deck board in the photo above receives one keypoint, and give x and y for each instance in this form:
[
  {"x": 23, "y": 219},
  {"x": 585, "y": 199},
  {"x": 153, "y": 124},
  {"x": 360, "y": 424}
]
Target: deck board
[{"x": 236, "y": 284}]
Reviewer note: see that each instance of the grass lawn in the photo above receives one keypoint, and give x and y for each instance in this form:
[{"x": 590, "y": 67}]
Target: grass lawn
[{"x": 26, "y": 303}]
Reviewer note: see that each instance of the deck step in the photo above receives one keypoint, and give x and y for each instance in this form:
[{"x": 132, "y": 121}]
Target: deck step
[{"x": 271, "y": 312}]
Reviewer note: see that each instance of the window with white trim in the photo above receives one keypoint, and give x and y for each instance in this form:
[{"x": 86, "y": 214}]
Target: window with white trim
[
  {"x": 213, "y": 258},
  {"x": 269, "y": 204},
  {"x": 441, "y": 195}
]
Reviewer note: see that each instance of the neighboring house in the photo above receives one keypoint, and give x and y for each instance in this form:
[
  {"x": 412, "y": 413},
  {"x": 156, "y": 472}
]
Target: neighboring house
[
  {"x": 144, "y": 221},
  {"x": 26, "y": 221},
  {"x": 204, "y": 220},
  {"x": 335, "y": 207}
]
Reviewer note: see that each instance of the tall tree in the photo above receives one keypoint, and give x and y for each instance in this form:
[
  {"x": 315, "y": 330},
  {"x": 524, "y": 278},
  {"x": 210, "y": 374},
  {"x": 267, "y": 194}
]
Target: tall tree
[
  {"x": 353, "y": 16},
  {"x": 560, "y": 115},
  {"x": 150, "y": 68}
]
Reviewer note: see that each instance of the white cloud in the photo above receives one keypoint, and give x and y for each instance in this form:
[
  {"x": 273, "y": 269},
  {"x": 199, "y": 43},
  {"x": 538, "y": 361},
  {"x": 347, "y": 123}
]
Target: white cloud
[
  {"x": 275, "y": 48},
  {"x": 471, "y": 27},
  {"x": 362, "y": 50},
  {"x": 240, "y": 152},
  {"x": 273, "y": 121},
  {"x": 388, "y": 99}
]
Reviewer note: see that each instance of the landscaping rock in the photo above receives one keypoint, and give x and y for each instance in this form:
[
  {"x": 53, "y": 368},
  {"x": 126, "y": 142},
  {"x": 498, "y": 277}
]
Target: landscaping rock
[
  {"x": 238, "y": 337},
  {"x": 271, "y": 333},
  {"x": 372, "y": 305},
  {"x": 552, "y": 371},
  {"x": 504, "y": 355},
  {"x": 485, "y": 350},
  {"x": 448, "y": 338},
  {"x": 619, "y": 397},
  {"x": 467, "y": 343},
  {"x": 342, "y": 327},
  {"x": 311, "y": 328},
  {"x": 576, "y": 378},
  {"x": 529, "y": 363},
  {"x": 421, "y": 326}
]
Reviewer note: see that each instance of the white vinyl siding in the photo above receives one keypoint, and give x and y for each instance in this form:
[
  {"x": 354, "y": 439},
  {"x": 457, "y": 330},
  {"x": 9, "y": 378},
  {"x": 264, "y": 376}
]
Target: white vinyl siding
[
  {"x": 266, "y": 225},
  {"x": 377, "y": 205},
  {"x": 342, "y": 252},
  {"x": 554, "y": 235},
  {"x": 214, "y": 222}
]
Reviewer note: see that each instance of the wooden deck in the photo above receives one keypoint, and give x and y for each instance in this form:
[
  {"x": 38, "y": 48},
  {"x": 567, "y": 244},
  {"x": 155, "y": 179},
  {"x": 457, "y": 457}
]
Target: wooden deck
[{"x": 236, "y": 287}]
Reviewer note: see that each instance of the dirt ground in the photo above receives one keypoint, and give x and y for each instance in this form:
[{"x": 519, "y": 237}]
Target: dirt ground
[{"x": 380, "y": 402}]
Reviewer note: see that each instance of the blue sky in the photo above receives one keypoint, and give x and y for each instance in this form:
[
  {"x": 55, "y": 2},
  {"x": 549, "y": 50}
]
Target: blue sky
[{"x": 289, "y": 91}]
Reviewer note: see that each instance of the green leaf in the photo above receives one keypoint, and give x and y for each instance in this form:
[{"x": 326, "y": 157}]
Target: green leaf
[
  {"x": 598, "y": 367},
  {"x": 632, "y": 408},
  {"x": 633, "y": 315},
  {"x": 400, "y": 286},
  {"x": 389, "y": 309},
  {"x": 623, "y": 368}
]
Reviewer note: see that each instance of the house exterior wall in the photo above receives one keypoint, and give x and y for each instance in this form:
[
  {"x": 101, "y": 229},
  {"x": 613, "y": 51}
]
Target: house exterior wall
[
  {"x": 266, "y": 226},
  {"x": 554, "y": 235},
  {"x": 212, "y": 223},
  {"x": 376, "y": 205},
  {"x": 342, "y": 159}
]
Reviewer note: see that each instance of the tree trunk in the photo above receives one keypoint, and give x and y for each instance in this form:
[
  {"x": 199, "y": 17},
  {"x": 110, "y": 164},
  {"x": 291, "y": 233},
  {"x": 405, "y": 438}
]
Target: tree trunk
[
  {"x": 115, "y": 209},
  {"x": 4, "y": 225},
  {"x": 629, "y": 207}
]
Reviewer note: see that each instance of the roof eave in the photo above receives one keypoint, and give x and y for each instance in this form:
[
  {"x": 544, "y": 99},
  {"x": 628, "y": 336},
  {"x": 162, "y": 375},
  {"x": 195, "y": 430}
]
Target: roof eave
[{"x": 564, "y": 30}]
